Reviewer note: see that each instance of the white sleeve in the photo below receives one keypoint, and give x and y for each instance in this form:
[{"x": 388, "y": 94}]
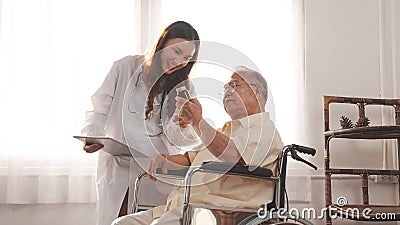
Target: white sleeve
[
  {"x": 181, "y": 137},
  {"x": 101, "y": 100},
  {"x": 178, "y": 136}
]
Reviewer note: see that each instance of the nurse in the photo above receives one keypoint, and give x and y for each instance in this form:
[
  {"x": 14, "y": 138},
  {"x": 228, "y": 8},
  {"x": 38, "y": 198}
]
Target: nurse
[{"x": 134, "y": 105}]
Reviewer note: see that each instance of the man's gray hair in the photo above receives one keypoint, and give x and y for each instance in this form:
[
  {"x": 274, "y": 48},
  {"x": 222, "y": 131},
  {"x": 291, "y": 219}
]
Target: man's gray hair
[{"x": 257, "y": 76}]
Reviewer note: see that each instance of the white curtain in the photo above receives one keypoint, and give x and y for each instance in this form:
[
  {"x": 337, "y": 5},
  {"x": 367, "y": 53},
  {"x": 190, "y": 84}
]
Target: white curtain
[
  {"x": 53, "y": 56},
  {"x": 389, "y": 75}
]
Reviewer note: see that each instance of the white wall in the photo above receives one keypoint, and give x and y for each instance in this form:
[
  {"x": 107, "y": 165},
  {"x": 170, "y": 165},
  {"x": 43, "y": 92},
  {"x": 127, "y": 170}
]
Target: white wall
[
  {"x": 396, "y": 26},
  {"x": 346, "y": 56}
]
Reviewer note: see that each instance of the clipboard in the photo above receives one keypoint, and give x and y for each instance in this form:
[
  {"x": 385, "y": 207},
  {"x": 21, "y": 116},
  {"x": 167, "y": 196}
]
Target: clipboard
[{"x": 111, "y": 146}]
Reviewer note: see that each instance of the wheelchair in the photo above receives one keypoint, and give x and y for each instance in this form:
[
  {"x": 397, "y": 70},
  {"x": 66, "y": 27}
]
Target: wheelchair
[{"x": 272, "y": 213}]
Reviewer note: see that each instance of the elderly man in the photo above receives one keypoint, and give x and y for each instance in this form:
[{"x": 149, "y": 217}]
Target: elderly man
[{"x": 249, "y": 139}]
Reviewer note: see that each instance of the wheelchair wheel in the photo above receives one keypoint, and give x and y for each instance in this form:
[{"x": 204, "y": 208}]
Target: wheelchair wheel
[
  {"x": 248, "y": 219},
  {"x": 274, "y": 219}
]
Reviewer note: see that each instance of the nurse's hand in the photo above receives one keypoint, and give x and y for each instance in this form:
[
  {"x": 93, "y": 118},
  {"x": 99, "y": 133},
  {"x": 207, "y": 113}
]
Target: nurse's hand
[
  {"x": 90, "y": 148},
  {"x": 159, "y": 161},
  {"x": 179, "y": 121},
  {"x": 191, "y": 112},
  {"x": 180, "y": 102},
  {"x": 167, "y": 162}
]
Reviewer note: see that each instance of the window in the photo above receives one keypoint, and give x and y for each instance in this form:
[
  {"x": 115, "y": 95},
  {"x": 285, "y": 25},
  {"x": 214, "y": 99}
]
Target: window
[
  {"x": 53, "y": 56},
  {"x": 262, "y": 30}
]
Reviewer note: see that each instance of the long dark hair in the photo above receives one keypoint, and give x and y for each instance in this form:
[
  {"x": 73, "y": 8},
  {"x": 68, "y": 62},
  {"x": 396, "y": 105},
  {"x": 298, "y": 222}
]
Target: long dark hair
[{"x": 163, "y": 83}]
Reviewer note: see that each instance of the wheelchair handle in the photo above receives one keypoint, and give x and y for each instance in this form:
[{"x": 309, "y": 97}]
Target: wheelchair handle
[
  {"x": 298, "y": 158},
  {"x": 303, "y": 149}
]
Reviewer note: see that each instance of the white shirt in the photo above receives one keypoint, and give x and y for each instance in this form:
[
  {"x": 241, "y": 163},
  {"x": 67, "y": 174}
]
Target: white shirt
[
  {"x": 259, "y": 144},
  {"x": 119, "y": 112}
]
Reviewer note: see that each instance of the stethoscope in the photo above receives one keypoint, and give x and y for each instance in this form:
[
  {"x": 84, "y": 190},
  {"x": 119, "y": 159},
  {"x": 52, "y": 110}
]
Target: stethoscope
[
  {"x": 138, "y": 77},
  {"x": 133, "y": 93}
]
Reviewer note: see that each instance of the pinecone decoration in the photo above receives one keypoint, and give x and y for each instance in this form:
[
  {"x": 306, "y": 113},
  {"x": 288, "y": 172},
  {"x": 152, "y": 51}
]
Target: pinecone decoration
[
  {"x": 362, "y": 122},
  {"x": 346, "y": 123}
]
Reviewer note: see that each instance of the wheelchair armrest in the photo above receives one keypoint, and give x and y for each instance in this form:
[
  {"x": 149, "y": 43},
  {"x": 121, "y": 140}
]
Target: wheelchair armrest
[
  {"x": 178, "y": 173},
  {"x": 234, "y": 169},
  {"x": 171, "y": 174},
  {"x": 228, "y": 169}
]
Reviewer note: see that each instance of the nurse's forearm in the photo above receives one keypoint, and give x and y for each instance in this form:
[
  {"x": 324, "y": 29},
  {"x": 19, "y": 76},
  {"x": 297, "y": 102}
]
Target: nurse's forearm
[
  {"x": 178, "y": 135},
  {"x": 178, "y": 160},
  {"x": 217, "y": 143}
]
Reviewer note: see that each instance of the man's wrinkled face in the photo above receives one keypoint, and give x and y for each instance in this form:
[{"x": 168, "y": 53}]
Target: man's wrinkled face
[{"x": 240, "y": 97}]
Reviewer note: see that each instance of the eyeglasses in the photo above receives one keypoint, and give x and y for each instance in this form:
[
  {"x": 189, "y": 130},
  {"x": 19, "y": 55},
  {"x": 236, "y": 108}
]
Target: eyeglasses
[{"x": 231, "y": 86}]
